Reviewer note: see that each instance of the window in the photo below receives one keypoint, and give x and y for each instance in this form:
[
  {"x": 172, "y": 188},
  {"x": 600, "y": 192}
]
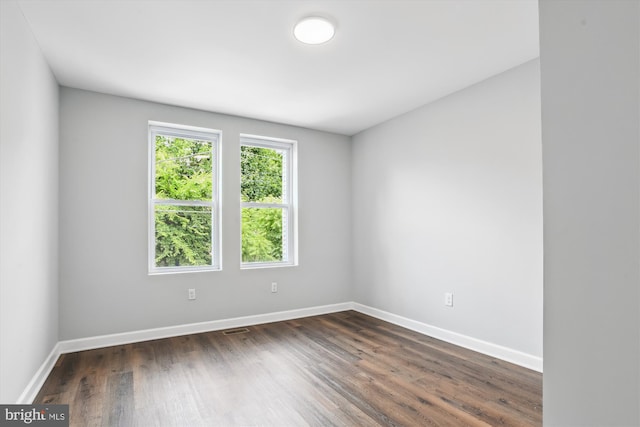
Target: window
[
  {"x": 184, "y": 198},
  {"x": 268, "y": 193}
]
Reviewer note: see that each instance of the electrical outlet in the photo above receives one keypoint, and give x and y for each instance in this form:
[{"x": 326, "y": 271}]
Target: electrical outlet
[
  {"x": 448, "y": 299},
  {"x": 192, "y": 294},
  {"x": 274, "y": 287}
]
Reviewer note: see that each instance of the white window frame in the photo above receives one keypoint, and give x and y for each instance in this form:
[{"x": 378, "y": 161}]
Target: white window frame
[
  {"x": 187, "y": 132},
  {"x": 290, "y": 178}
]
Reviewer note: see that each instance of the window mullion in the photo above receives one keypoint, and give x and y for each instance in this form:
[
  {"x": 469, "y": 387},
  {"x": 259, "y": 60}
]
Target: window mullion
[
  {"x": 174, "y": 202},
  {"x": 264, "y": 205}
]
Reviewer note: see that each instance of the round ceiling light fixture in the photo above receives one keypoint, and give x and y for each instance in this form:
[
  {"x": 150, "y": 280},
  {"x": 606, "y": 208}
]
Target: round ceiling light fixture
[{"x": 314, "y": 30}]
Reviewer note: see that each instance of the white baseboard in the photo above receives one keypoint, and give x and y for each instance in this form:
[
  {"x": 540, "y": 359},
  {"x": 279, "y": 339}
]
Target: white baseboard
[
  {"x": 504, "y": 353},
  {"x": 90, "y": 343},
  {"x": 100, "y": 341},
  {"x": 36, "y": 383}
]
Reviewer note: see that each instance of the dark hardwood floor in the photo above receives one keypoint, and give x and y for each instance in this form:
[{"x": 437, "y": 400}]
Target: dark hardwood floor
[{"x": 343, "y": 369}]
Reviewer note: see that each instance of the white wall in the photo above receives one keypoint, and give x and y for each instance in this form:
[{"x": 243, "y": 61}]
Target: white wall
[
  {"x": 28, "y": 205},
  {"x": 104, "y": 286},
  {"x": 448, "y": 198},
  {"x": 590, "y": 76}
]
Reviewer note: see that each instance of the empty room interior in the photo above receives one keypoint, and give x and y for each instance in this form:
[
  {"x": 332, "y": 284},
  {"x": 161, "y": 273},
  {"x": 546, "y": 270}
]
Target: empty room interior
[{"x": 417, "y": 213}]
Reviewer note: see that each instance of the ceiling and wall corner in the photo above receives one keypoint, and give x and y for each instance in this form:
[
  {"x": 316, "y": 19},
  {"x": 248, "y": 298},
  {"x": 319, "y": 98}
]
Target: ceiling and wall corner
[{"x": 386, "y": 58}]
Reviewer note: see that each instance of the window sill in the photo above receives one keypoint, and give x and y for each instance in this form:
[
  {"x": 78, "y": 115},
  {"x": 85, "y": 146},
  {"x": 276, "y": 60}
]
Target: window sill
[
  {"x": 182, "y": 270},
  {"x": 256, "y": 265}
]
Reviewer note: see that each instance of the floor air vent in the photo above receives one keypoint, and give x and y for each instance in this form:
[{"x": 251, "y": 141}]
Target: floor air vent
[{"x": 236, "y": 331}]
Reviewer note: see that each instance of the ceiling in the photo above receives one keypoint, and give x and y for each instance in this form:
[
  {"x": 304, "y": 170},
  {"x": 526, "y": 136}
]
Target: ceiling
[{"x": 239, "y": 57}]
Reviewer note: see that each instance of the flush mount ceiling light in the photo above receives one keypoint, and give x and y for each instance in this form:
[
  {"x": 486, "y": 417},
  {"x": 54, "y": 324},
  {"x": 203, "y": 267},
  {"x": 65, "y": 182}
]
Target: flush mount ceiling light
[{"x": 314, "y": 30}]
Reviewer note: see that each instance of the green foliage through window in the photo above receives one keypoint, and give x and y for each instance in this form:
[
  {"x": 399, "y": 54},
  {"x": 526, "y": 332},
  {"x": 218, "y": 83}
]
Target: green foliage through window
[
  {"x": 183, "y": 169},
  {"x": 184, "y": 206},
  {"x": 183, "y": 214},
  {"x": 183, "y": 235},
  {"x": 262, "y": 234},
  {"x": 261, "y": 174},
  {"x": 262, "y": 183}
]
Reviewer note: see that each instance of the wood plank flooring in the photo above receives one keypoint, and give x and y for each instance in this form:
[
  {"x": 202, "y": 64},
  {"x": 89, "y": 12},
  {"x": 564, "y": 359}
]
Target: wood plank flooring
[{"x": 341, "y": 369}]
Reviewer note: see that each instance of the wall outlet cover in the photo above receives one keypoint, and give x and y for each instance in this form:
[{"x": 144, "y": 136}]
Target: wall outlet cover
[{"x": 448, "y": 299}]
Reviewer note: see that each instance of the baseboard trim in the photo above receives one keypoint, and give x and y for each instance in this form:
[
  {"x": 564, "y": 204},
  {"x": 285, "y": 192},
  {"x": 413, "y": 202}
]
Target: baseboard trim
[
  {"x": 90, "y": 343},
  {"x": 100, "y": 341},
  {"x": 504, "y": 353},
  {"x": 36, "y": 383}
]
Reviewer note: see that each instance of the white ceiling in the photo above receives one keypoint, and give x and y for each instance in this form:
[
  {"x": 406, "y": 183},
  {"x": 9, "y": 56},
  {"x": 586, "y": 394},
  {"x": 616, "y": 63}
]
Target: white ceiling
[{"x": 239, "y": 57}]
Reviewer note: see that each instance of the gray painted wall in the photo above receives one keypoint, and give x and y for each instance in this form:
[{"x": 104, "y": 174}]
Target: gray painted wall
[
  {"x": 104, "y": 285},
  {"x": 590, "y": 72},
  {"x": 28, "y": 205},
  {"x": 448, "y": 198}
]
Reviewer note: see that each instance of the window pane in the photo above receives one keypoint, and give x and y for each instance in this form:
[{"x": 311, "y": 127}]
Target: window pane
[
  {"x": 183, "y": 235},
  {"x": 183, "y": 168},
  {"x": 262, "y": 172},
  {"x": 263, "y": 234}
]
